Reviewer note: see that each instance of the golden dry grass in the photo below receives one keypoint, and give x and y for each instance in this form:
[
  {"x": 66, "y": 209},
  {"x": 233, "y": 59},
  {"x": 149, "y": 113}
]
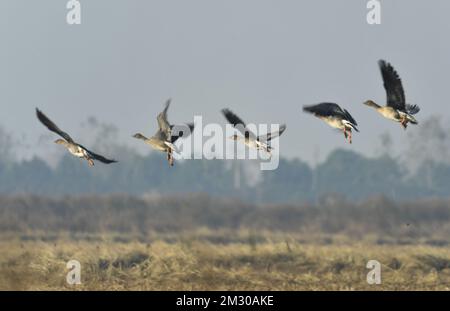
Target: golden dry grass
[{"x": 207, "y": 260}]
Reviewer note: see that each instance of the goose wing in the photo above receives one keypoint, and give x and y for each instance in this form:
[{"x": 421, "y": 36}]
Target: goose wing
[
  {"x": 393, "y": 86},
  {"x": 412, "y": 109},
  {"x": 233, "y": 119},
  {"x": 52, "y": 126},
  {"x": 325, "y": 110},
  {"x": 181, "y": 131},
  {"x": 270, "y": 136},
  {"x": 98, "y": 157},
  {"x": 349, "y": 117},
  {"x": 163, "y": 124}
]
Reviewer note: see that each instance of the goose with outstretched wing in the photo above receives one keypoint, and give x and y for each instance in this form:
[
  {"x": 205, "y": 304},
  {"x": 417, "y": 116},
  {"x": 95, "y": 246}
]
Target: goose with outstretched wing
[
  {"x": 167, "y": 134},
  {"x": 73, "y": 147},
  {"x": 261, "y": 142},
  {"x": 396, "y": 109},
  {"x": 334, "y": 116}
]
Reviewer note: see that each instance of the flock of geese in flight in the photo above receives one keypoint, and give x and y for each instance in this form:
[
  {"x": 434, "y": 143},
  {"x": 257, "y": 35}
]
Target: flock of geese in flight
[{"x": 167, "y": 134}]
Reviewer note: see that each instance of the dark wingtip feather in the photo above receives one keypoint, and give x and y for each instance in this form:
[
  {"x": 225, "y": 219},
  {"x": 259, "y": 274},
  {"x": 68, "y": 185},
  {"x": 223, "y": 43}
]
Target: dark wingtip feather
[
  {"x": 412, "y": 109},
  {"x": 39, "y": 113},
  {"x": 44, "y": 119},
  {"x": 191, "y": 126},
  {"x": 232, "y": 117},
  {"x": 225, "y": 111},
  {"x": 103, "y": 159},
  {"x": 308, "y": 108},
  {"x": 385, "y": 67},
  {"x": 382, "y": 63},
  {"x": 108, "y": 161}
]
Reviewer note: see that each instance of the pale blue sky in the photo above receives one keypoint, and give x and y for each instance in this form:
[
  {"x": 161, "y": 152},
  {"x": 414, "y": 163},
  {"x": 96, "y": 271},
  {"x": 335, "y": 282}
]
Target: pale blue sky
[{"x": 263, "y": 59}]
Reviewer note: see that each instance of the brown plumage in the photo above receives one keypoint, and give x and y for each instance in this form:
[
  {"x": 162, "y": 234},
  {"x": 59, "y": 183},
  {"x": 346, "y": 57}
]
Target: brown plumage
[
  {"x": 396, "y": 108},
  {"x": 73, "y": 147}
]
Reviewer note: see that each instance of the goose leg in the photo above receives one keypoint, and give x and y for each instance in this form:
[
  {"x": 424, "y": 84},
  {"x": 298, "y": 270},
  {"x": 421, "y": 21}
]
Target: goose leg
[
  {"x": 348, "y": 135},
  {"x": 90, "y": 161},
  {"x": 404, "y": 122},
  {"x": 170, "y": 157}
]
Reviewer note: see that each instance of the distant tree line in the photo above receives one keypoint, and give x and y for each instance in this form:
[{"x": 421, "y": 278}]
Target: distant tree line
[
  {"x": 345, "y": 173},
  {"x": 125, "y": 214},
  {"x": 422, "y": 170}
]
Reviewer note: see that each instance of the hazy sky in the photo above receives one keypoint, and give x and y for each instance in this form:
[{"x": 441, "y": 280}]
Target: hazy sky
[{"x": 263, "y": 59}]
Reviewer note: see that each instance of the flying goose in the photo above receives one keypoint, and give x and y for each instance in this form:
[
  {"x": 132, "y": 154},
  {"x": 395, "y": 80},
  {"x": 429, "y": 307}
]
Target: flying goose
[
  {"x": 261, "y": 142},
  {"x": 335, "y": 117},
  {"x": 167, "y": 134},
  {"x": 73, "y": 147},
  {"x": 396, "y": 108}
]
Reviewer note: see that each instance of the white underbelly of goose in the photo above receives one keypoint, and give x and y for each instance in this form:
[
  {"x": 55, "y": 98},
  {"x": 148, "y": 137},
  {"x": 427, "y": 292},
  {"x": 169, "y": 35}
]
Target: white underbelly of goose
[
  {"x": 334, "y": 122},
  {"x": 78, "y": 152},
  {"x": 389, "y": 113}
]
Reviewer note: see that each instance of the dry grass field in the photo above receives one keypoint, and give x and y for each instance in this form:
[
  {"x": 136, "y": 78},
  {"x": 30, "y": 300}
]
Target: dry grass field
[
  {"x": 218, "y": 260},
  {"x": 200, "y": 243}
]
